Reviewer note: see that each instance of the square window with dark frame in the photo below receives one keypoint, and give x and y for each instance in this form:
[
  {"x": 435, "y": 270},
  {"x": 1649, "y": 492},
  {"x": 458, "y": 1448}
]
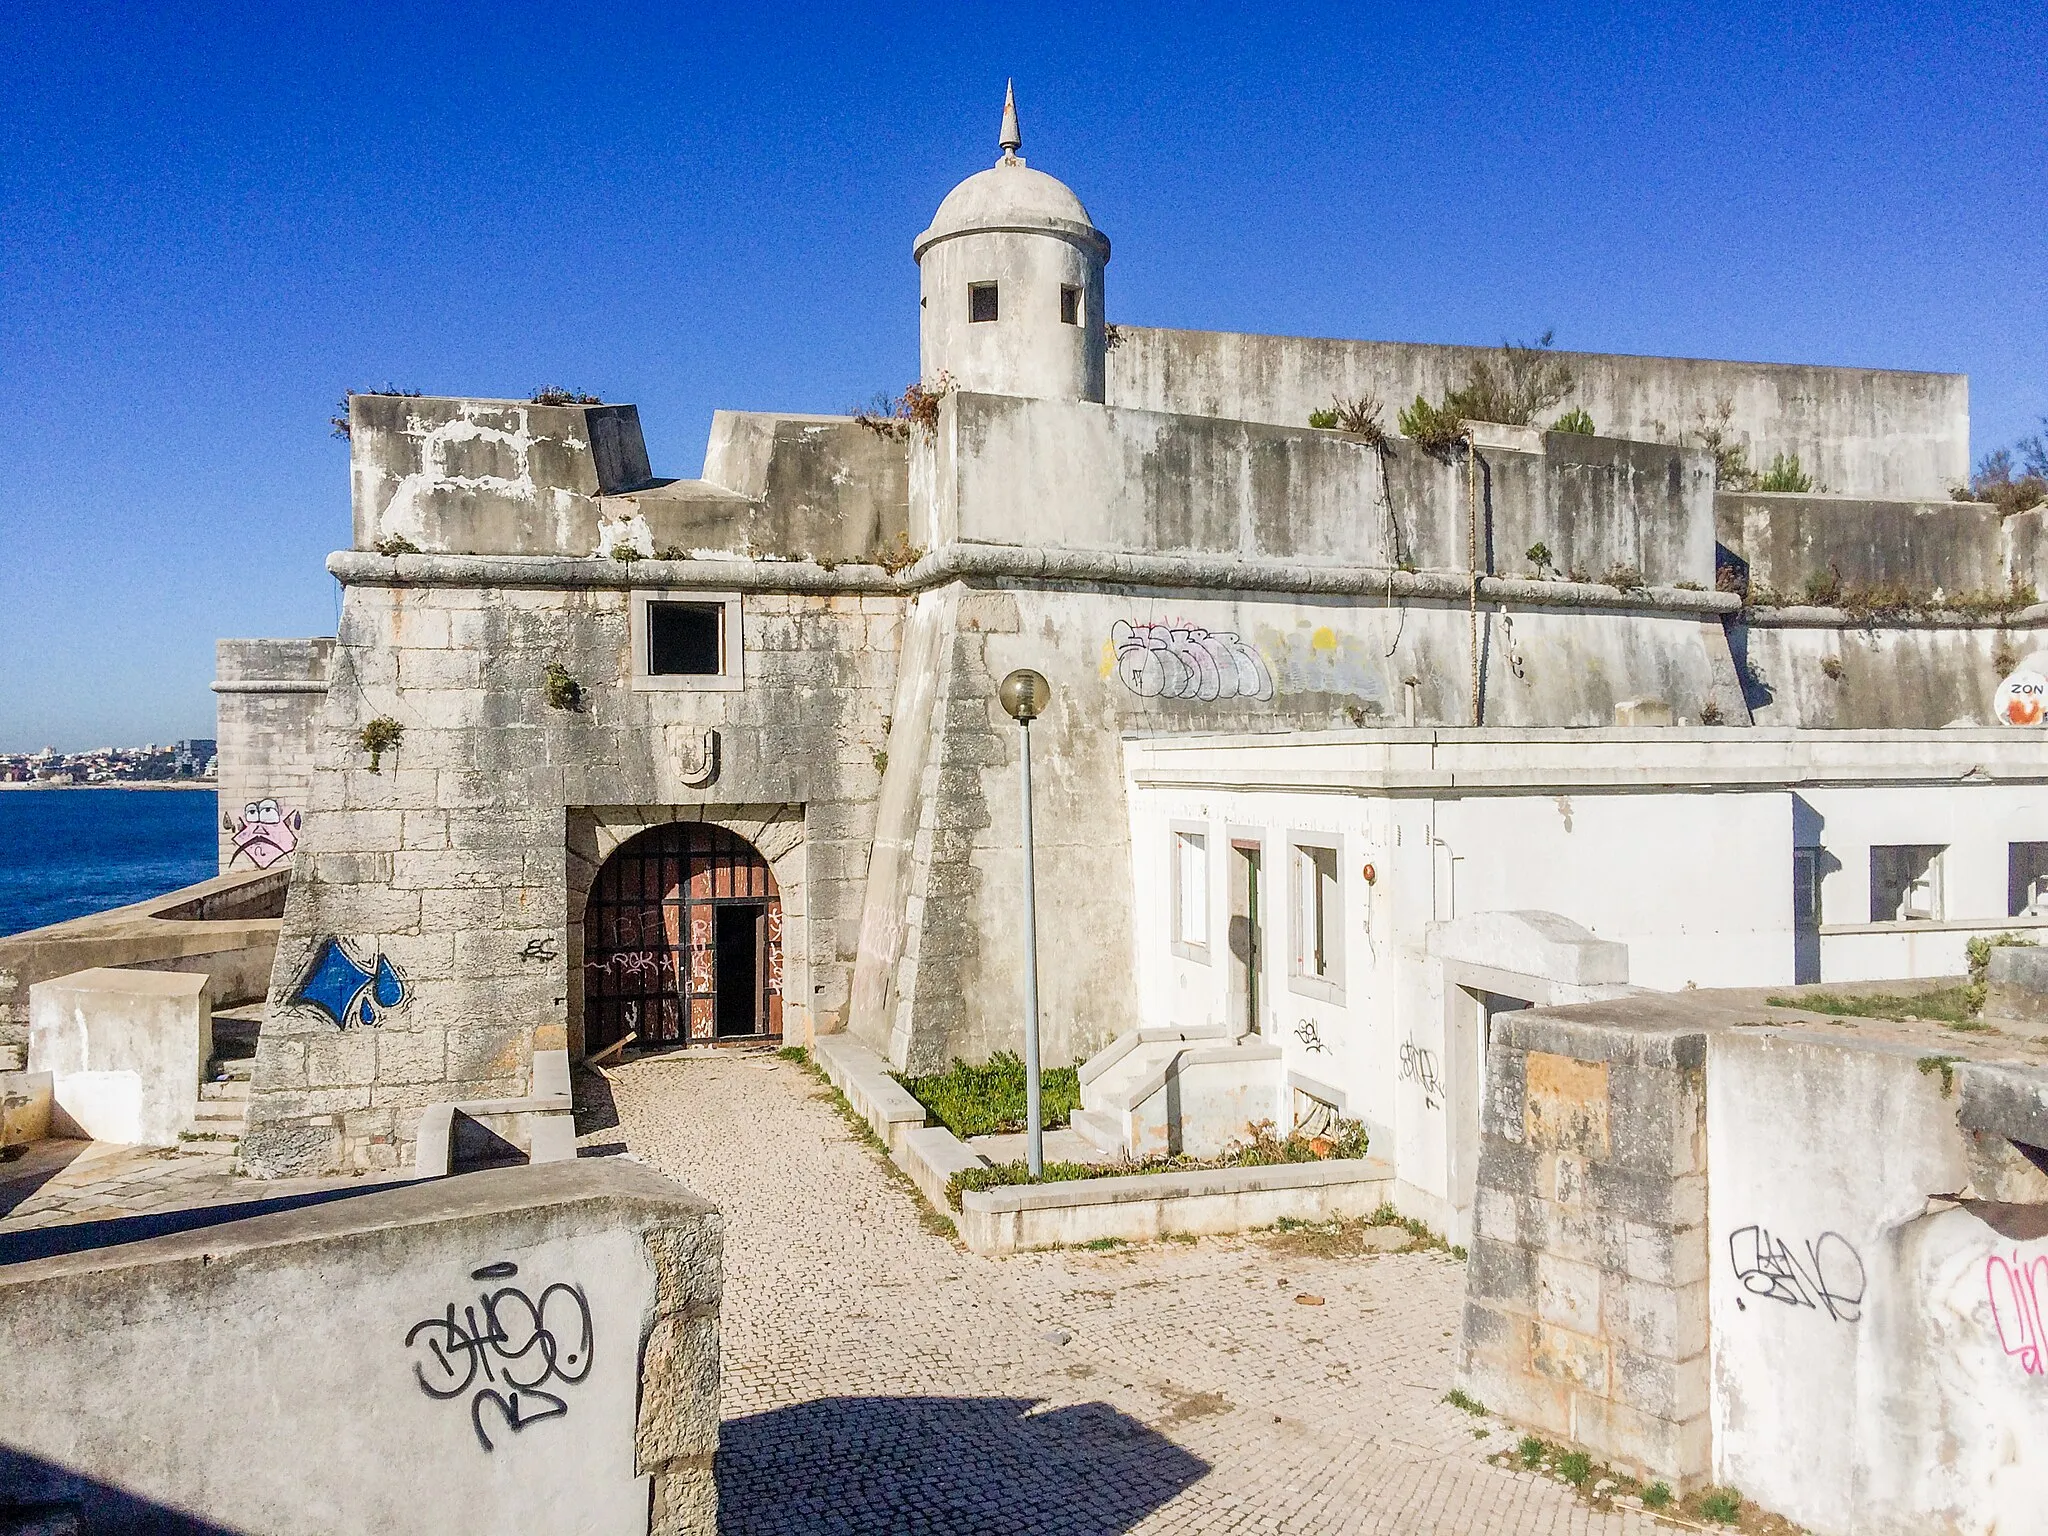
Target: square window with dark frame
[
  {"x": 1905, "y": 883},
  {"x": 685, "y": 639},
  {"x": 2026, "y": 880},
  {"x": 1070, "y": 306},
  {"x": 981, "y": 302}
]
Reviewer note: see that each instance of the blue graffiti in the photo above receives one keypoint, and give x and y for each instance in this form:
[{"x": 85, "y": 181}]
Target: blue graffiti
[{"x": 346, "y": 990}]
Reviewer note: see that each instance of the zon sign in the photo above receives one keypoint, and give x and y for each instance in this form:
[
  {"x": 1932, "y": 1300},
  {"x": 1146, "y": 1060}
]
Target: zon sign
[{"x": 2022, "y": 699}]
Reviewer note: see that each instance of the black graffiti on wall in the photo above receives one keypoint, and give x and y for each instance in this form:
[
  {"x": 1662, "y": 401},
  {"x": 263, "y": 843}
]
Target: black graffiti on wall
[
  {"x": 1418, "y": 1066},
  {"x": 505, "y": 1350},
  {"x": 1310, "y": 1036},
  {"x": 1827, "y": 1276}
]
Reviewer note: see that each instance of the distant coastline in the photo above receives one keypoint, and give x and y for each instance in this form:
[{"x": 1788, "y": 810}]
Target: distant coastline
[{"x": 125, "y": 784}]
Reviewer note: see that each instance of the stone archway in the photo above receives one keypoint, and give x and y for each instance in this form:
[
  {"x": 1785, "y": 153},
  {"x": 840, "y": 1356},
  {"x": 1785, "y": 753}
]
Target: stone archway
[{"x": 686, "y": 926}]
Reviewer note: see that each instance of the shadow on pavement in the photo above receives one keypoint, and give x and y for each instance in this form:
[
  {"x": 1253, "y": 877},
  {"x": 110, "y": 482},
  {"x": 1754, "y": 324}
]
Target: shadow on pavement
[{"x": 944, "y": 1465}]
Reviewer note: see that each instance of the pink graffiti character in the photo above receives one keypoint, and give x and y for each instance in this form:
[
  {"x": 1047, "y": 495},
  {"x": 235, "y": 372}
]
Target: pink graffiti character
[
  {"x": 2019, "y": 1295},
  {"x": 264, "y": 831}
]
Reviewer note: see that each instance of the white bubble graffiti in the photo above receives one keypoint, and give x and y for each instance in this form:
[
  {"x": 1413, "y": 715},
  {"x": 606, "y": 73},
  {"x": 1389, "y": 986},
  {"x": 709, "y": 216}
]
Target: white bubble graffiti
[{"x": 1166, "y": 661}]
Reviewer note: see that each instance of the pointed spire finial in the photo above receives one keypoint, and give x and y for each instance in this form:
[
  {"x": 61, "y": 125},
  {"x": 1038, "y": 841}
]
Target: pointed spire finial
[{"x": 1012, "y": 139}]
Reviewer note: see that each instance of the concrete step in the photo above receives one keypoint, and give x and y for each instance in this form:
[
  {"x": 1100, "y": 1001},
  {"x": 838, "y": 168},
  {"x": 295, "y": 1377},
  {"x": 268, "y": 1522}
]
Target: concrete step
[
  {"x": 1142, "y": 1062},
  {"x": 230, "y": 1089},
  {"x": 202, "y": 1143},
  {"x": 1098, "y": 1128}
]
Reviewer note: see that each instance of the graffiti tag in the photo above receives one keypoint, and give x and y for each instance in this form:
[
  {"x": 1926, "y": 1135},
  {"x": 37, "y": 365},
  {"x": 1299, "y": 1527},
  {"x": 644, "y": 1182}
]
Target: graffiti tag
[
  {"x": 1178, "y": 661},
  {"x": 1418, "y": 1066},
  {"x": 515, "y": 1343},
  {"x": 2018, "y": 1287},
  {"x": 1309, "y": 1035},
  {"x": 1829, "y": 1277},
  {"x": 348, "y": 991},
  {"x": 264, "y": 833},
  {"x": 538, "y": 949}
]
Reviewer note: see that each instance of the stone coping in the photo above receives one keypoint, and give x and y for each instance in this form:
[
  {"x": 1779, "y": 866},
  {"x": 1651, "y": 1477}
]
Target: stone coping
[
  {"x": 1808, "y": 616},
  {"x": 346, "y": 1215},
  {"x": 958, "y": 561},
  {"x": 1193, "y": 1184}
]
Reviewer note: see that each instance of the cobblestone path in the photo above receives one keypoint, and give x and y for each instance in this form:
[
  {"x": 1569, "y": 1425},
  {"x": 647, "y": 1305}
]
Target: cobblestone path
[{"x": 880, "y": 1379}]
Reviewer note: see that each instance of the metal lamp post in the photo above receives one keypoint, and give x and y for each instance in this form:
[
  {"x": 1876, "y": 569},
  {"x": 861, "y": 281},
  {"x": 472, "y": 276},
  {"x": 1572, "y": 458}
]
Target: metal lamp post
[{"x": 1025, "y": 694}]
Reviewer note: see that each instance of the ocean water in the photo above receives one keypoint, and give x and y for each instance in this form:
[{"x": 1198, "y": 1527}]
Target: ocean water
[{"x": 67, "y": 852}]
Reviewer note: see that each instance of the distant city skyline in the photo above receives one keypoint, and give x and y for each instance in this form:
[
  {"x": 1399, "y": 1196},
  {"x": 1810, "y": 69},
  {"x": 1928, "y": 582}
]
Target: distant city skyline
[{"x": 214, "y": 229}]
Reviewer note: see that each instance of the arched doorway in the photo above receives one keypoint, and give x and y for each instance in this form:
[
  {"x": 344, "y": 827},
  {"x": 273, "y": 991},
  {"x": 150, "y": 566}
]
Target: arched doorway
[{"x": 682, "y": 942}]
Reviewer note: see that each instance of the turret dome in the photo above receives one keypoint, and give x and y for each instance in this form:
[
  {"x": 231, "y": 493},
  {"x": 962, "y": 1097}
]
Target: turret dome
[{"x": 1011, "y": 196}]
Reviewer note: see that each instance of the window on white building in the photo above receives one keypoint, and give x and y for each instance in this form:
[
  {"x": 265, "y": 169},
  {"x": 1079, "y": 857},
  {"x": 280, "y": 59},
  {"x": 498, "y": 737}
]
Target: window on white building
[
  {"x": 981, "y": 303},
  {"x": 686, "y": 640},
  {"x": 1191, "y": 895},
  {"x": 1070, "y": 306},
  {"x": 1905, "y": 883},
  {"x": 2026, "y": 881},
  {"x": 1806, "y": 888},
  {"x": 1318, "y": 917}
]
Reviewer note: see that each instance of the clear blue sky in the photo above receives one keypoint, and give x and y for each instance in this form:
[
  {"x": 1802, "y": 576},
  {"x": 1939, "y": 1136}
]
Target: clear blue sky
[{"x": 212, "y": 222}]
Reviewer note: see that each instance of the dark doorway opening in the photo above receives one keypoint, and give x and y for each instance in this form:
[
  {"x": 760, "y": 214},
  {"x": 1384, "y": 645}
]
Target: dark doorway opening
[
  {"x": 741, "y": 969},
  {"x": 682, "y": 942}
]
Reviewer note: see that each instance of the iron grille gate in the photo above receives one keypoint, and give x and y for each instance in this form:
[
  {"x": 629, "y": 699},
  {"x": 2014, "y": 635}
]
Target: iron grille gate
[{"x": 682, "y": 942}]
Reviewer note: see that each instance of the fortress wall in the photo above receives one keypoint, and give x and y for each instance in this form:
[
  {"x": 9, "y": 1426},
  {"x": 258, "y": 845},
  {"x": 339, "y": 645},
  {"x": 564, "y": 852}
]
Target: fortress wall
[
  {"x": 939, "y": 969},
  {"x": 1070, "y": 475},
  {"x": 452, "y": 861},
  {"x": 823, "y": 486},
  {"x": 269, "y": 695},
  {"x": 1919, "y": 676},
  {"x": 1922, "y": 545},
  {"x": 1857, "y": 431}
]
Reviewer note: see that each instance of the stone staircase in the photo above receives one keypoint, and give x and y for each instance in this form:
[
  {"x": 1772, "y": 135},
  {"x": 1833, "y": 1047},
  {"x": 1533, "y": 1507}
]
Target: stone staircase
[
  {"x": 223, "y": 1115},
  {"x": 1192, "y": 1091}
]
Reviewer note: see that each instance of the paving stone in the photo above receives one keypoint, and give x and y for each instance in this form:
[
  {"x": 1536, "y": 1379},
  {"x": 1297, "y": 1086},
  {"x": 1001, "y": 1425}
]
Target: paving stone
[{"x": 878, "y": 1378}]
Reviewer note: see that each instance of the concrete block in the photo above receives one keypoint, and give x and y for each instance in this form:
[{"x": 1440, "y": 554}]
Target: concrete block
[
  {"x": 125, "y": 1050},
  {"x": 1566, "y": 1107},
  {"x": 1568, "y": 1293},
  {"x": 1567, "y": 1356},
  {"x": 26, "y": 1100}
]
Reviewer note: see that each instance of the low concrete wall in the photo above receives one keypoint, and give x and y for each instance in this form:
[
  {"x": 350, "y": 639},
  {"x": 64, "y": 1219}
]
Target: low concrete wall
[
  {"x": 1070, "y": 475},
  {"x": 125, "y": 1051},
  {"x": 1861, "y": 431},
  {"x": 819, "y": 486},
  {"x": 1921, "y": 545},
  {"x": 526, "y": 1349},
  {"x": 171, "y": 932},
  {"x": 1142, "y": 1208}
]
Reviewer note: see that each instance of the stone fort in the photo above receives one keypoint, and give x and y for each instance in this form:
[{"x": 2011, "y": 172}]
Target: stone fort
[{"x": 599, "y": 754}]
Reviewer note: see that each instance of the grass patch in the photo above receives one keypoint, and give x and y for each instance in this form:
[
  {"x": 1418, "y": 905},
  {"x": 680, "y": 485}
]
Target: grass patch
[
  {"x": 1721, "y": 1504},
  {"x": 988, "y": 1098},
  {"x": 1103, "y": 1244},
  {"x": 1457, "y": 1397},
  {"x": 1657, "y": 1495},
  {"x": 1261, "y": 1148},
  {"x": 1945, "y": 1065},
  {"x": 1531, "y": 1450},
  {"x": 1576, "y": 1468},
  {"x": 1944, "y": 1005}
]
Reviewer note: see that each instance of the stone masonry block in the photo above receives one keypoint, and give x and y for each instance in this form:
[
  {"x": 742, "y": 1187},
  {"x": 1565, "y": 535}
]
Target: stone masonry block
[
  {"x": 1502, "y": 1272},
  {"x": 411, "y": 1055},
  {"x": 1567, "y": 1108},
  {"x": 1668, "y": 1321},
  {"x": 1567, "y": 1356},
  {"x": 1497, "y": 1215},
  {"x": 1573, "y": 1232},
  {"x": 1654, "y": 1199},
  {"x": 1657, "y": 1118},
  {"x": 1678, "y": 1452},
  {"x": 1505, "y": 1338},
  {"x": 439, "y": 669},
  {"x": 343, "y": 1058},
  {"x": 1532, "y": 1401},
  {"x": 679, "y": 1390},
  {"x": 1662, "y": 1388},
  {"x": 1568, "y": 1293},
  {"x": 1506, "y": 1092},
  {"x": 1662, "y": 1255}
]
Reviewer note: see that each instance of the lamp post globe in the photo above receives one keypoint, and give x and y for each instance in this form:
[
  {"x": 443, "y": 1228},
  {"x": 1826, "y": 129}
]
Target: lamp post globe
[{"x": 1025, "y": 695}]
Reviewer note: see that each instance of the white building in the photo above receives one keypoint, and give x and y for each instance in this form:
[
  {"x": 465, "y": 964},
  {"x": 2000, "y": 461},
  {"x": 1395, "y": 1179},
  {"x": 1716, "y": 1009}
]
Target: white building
[{"x": 1364, "y": 902}]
